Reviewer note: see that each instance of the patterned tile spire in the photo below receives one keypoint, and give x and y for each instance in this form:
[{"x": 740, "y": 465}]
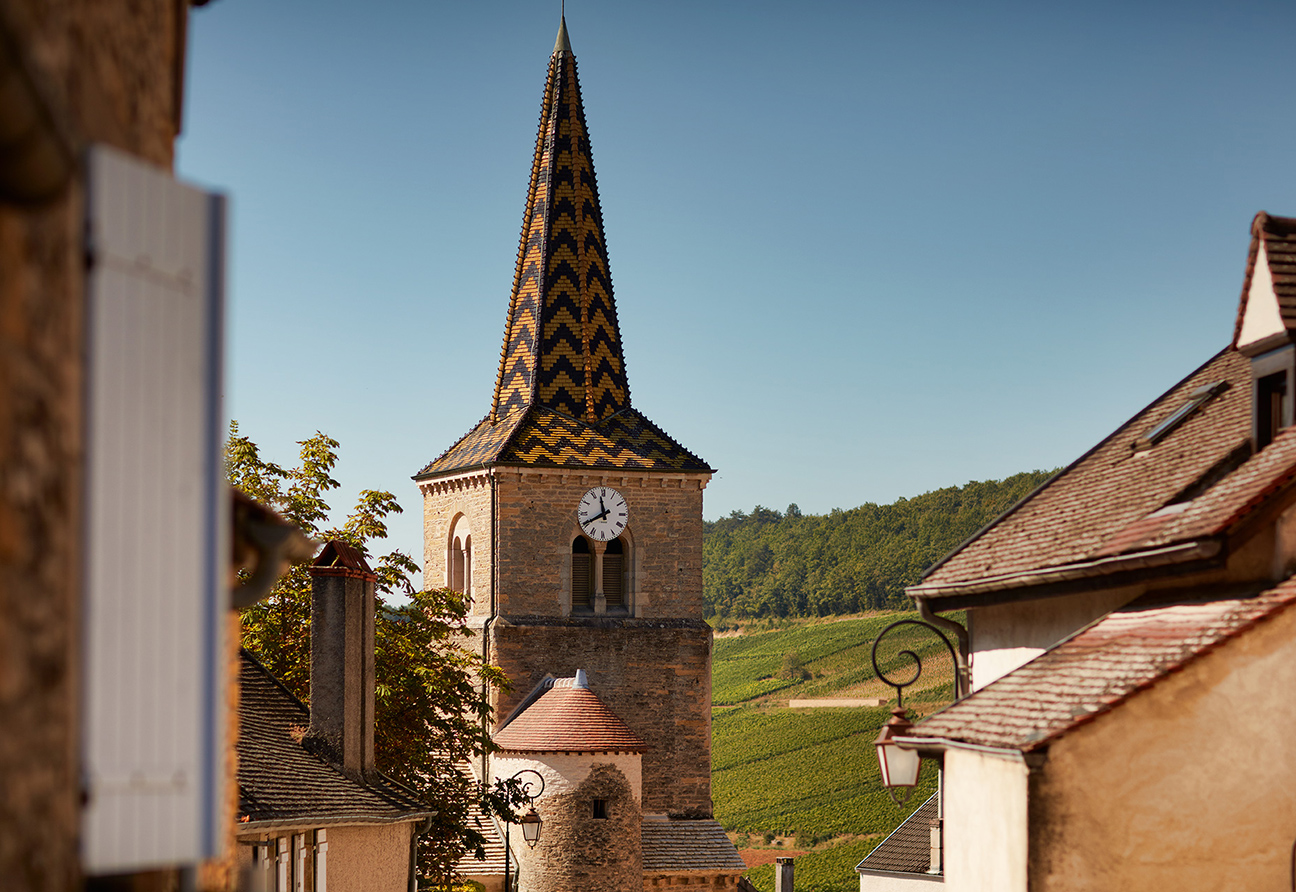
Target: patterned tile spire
[{"x": 562, "y": 346}]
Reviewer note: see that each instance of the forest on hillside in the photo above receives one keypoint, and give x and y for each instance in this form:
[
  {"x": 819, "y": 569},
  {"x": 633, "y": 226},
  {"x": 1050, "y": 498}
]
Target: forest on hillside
[{"x": 779, "y": 564}]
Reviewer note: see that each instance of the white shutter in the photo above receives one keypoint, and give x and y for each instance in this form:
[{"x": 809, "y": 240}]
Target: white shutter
[
  {"x": 156, "y": 519},
  {"x": 321, "y": 861}
]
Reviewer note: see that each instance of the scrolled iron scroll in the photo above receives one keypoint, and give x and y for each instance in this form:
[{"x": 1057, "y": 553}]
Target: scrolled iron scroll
[{"x": 910, "y": 655}]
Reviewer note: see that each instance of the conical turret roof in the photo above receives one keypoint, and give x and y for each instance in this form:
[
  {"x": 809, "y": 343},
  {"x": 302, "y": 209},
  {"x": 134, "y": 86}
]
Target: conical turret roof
[
  {"x": 568, "y": 718},
  {"x": 561, "y": 397}
]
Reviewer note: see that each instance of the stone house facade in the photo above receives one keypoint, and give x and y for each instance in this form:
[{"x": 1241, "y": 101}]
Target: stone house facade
[{"x": 1128, "y": 637}]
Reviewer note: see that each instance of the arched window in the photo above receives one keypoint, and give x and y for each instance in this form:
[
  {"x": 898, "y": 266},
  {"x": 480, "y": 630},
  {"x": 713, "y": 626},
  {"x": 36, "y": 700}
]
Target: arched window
[
  {"x": 582, "y": 575},
  {"x": 458, "y": 563},
  {"x": 614, "y": 574}
]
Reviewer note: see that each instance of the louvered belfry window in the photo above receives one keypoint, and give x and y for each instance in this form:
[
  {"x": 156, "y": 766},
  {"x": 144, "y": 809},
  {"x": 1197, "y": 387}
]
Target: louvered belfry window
[
  {"x": 582, "y": 574},
  {"x": 614, "y": 574}
]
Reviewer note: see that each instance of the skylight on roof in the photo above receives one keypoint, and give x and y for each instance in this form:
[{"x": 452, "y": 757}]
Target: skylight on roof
[{"x": 1196, "y": 400}]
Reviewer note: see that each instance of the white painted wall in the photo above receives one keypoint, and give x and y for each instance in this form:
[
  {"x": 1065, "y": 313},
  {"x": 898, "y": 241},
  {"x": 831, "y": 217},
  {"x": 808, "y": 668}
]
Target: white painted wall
[
  {"x": 985, "y": 823},
  {"x": 1262, "y": 317},
  {"x": 1005, "y": 636},
  {"x": 564, "y": 772},
  {"x": 916, "y": 883}
]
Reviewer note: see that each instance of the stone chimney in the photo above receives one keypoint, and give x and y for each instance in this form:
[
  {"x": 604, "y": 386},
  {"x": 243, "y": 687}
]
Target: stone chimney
[
  {"x": 783, "y": 875},
  {"x": 342, "y": 680}
]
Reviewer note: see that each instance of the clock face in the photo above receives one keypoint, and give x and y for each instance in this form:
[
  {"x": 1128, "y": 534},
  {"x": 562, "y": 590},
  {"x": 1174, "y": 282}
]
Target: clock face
[{"x": 603, "y": 513}]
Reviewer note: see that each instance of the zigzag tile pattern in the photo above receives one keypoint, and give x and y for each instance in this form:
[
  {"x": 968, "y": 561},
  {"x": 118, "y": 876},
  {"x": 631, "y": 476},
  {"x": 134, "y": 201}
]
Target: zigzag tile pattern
[
  {"x": 562, "y": 345},
  {"x": 545, "y": 438},
  {"x": 561, "y": 398}
]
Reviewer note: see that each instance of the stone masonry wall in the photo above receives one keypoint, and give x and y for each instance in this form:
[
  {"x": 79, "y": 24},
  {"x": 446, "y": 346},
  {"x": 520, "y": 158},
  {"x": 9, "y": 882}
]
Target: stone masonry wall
[
  {"x": 537, "y": 523},
  {"x": 458, "y": 505},
  {"x": 654, "y": 675},
  {"x": 109, "y": 69},
  {"x": 580, "y": 852}
]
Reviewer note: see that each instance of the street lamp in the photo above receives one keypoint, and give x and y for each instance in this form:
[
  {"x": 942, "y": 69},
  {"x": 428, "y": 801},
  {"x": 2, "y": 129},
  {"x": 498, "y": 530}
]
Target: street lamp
[
  {"x": 899, "y": 767},
  {"x": 530, "y": 821}
]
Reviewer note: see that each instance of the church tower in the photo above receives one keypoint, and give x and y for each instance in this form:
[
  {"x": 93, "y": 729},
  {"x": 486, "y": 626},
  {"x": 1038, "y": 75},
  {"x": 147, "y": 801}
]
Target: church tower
[{"x": 572, "y": 521}]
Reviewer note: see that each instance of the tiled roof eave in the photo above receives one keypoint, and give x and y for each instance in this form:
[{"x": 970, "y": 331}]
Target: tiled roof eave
[
  {"x": 619, "y": 751},
  {"x": 901, "y": 874},
  {"x": 307, "y": 821},
  {"x": 1045, "y": 581}
]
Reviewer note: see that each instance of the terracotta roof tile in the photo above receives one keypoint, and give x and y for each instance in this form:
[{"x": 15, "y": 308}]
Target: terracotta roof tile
[
  {"x": 493, "y": 863},
  {"x": 908, "y": 848},
  {"x": 678, "y": 846},
  {"x": 568, "y": 719},
  {"x": 280, "y": 782},
  {"x": 1101, "y": 504},
  {"x": 1097, "y": 669}
]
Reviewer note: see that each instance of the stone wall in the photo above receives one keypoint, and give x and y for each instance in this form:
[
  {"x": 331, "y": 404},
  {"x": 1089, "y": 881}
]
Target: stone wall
[
  {"x": 109, "y": 70},
  {"x": 654, "y": 675},
  {"x": 580, "y": 852},
  {"x": 536, "y": 523}
]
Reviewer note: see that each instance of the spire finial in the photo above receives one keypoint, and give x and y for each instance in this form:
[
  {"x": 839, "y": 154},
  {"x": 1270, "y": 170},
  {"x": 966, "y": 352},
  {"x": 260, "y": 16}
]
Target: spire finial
[{"x": 562, "y": 44}]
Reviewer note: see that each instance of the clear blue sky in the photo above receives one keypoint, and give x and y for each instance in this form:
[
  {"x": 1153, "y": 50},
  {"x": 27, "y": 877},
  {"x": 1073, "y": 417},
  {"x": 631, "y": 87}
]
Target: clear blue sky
[{"x": 861, "y": 250}]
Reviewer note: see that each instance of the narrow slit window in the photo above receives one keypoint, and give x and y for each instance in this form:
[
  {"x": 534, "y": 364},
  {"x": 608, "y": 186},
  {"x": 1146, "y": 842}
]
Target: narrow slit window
[
  {"x": 614, "y": 574},
  {"x": 582, "y": 574},
  {"x": 600, "y": 809}
]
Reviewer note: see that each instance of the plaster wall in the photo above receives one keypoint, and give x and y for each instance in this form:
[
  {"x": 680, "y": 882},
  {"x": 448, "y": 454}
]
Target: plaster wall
[
  {"x": 109, "y": 69},
  {"x": 1005, "y": 636},
  {"x": 370, "y": 858},
  {"x": 915, "y": 883},
  {"x": 1186, "y": 786},
  {"x": 564, "y": 772},
  {"x": 985, "y": 823}
]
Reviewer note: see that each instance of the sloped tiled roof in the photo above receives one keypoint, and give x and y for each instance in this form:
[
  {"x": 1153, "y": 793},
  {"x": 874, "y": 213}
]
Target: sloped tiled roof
[
  {"x": 908, "y": 848},
  {"x": 676, "y": 846},
  {"x": 493, "y": 863},
  {"x": 1097, "y": 669},
  {"x": 568, "y": 719},
  {"x": 539, "y": 437},
  {"x": 1100, "y": 505},
  {"x": 1278, "y": 234},
  {"x": 281, "y": 783}
]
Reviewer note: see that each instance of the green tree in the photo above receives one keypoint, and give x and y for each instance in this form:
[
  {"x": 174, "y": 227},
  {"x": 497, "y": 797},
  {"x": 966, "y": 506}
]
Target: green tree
[{"x": 430, "y": 704}]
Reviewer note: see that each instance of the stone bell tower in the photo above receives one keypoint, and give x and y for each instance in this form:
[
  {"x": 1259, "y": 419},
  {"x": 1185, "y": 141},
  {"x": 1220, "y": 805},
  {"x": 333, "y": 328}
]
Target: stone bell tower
[{"x": 573, "y": 521}]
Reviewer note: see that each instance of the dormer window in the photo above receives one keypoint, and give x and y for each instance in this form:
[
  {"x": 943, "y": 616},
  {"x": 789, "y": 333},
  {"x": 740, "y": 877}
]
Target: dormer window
[{"x": 1272, "y": 373}]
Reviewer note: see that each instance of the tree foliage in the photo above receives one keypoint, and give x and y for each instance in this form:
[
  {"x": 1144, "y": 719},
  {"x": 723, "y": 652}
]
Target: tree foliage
[
  {"x": 430, "y": 707},
  {"x": 771, "y": 563}
]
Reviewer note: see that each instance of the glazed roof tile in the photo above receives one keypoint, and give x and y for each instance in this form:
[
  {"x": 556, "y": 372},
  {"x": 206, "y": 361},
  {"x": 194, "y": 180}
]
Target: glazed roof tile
[
  {"x": 1278, "y": 234},
  {"x": 1097, "y": 669},
  {"x": 539, "y": 437},
  {"x": 568, "y": 719},
  {"x": 908, "y": 848},
  {"x": 562, "y": 346},
  {"x": 1100, "y": 505},
  {"x": 561, "y": 395},
  {"x": 280, "y": 782},
  {"x": 677, "y": 846}
]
